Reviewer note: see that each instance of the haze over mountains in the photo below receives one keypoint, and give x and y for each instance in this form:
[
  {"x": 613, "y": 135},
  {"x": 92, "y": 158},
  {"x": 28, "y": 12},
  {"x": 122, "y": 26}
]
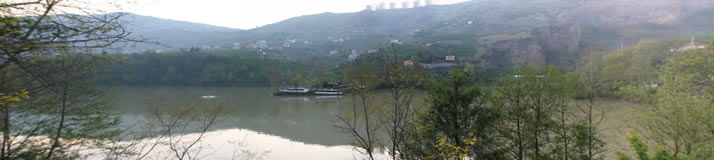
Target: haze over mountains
[
  {"x": 175, "y": 34},
  {"x": 521, "y": 31}
]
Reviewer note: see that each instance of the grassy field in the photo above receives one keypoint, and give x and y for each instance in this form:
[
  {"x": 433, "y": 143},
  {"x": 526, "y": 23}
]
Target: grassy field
[{"x": 620, "y": 117}]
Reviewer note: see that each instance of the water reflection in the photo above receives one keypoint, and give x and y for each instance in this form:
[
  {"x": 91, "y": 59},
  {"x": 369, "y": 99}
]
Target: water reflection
[
  {"x": 289, "y": 127},
  {"x": 232, "y": 144},
  {"x": 302, "y": 119},
  {"x": 303, "y": 99}
]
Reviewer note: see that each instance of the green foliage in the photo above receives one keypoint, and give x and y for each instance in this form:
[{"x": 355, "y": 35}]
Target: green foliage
[
  {"x": 445, "y": 150},
  {"x": 680, "y": 115},
  {"x": 362, "y": 75},
  {"x": 50, "y": 52},
  {"x": 634, "y": 65},
  {"x": 579, "y": 136},
  {"x": 535, "y": 103},
  {"x": 521, "y": 117},
  {"x": 457, "y": 113},
  {"x": 402, "y": 82},
  {"x": 641, "y": 151},
  {"x": 11, "y": 100},
  {"x": 588, "y": 72},
  {"x": 488, "y": 40}
]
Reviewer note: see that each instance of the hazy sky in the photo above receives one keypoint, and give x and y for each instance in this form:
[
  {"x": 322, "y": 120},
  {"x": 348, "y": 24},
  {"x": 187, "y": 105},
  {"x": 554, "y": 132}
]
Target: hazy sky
[{"x": 248, "y": 14}]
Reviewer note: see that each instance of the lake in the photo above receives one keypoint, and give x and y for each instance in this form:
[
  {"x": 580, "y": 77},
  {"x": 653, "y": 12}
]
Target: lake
[{"x": 280, "y": 127}]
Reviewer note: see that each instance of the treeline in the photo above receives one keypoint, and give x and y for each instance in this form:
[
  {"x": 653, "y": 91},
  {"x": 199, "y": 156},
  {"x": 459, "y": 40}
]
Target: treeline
[
  {"x": 254, "y": 68},
  {"x": 529, "y": 116},
  {"x": 680, "y": 116},
  {"x": 229, "y": 68},
  {"x": 526, "y": 115},
  {"x": 634, "y": 65},
  {"x": 533, "y": 113},
  {"x": 246, "y": 68}
]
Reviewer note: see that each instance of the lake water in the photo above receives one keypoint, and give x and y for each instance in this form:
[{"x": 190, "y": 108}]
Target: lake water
[{"x": 280, "y": 127}]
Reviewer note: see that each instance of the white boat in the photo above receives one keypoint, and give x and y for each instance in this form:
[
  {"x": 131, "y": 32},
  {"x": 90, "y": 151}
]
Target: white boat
[
  {"x": 294, "y": 90},
  {"x": 208, "y": 97},
  {"x": 328, "y": 92}
]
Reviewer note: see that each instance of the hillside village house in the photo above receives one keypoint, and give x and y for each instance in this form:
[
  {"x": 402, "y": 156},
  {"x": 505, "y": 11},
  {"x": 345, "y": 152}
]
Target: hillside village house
[
  {"x": 693, "y": 46},
  {"x": 408, "y": 63},
  {"x": 236, "y": 45},
  {"x": 262, "y": 44},
  {"x": 451, "y": 42},
  {"x": 353, "y": 56},
  {"x": 450, "y": 58},
  {"x": 252, "y": 46}
]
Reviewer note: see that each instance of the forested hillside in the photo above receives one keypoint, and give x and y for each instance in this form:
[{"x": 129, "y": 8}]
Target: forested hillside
[{"x": 486, "y": 33}]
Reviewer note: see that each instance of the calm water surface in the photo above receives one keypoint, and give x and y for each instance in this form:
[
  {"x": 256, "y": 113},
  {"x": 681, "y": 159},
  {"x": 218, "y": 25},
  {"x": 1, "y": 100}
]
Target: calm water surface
[{"x": 283, "y": 127}]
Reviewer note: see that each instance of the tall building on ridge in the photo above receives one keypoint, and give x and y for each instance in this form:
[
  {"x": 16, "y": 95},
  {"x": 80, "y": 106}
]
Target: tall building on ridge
[
  {"x": 369, "y": 7},
  {"x": 381, "y": 6},
  {"x": 428, "y": 2},
  {"x": 392, "y": 5},
  {"x": 405, "y": 4},
  {"x": 417, "y": 3}
]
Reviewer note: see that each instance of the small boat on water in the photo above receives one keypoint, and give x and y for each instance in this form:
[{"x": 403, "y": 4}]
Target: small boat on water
[
  {"x": 293, "y": 91},
  {"x": 307, "y": 91},
  {"x": 208, "y": 97}
]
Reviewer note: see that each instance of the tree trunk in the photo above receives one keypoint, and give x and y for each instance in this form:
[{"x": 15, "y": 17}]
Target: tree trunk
[
  {"x": 6, "y": 133},
  {"x": 6, "y": 121},
  {"x": 56, "y": 140},
  {"x": 565, "y": 133},
  {"x": 590, "y": 126},
  {"x": 520, "y": 139}
]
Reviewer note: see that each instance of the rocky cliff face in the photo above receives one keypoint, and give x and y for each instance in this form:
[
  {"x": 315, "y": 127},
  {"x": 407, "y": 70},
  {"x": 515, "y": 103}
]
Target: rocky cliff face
[
  {"x": 561, "y": 39},
  {"x": 560, "y": 43},
  {"x": 628, "y": 20},
  {"x": 630, "y": 12},
  {"x": 518, "y": 52},
  {"x": 548, "y": 45}
]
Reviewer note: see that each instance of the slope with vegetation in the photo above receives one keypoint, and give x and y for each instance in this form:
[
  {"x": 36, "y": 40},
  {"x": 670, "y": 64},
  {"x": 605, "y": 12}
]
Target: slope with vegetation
[{"x": 491, "y": 33}]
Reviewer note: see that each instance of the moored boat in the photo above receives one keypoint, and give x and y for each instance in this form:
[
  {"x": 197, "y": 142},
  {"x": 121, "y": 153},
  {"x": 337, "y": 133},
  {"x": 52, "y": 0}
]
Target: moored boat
[
  {"x": 293, "y": 91},
  {"x": 307, "y": 91}
]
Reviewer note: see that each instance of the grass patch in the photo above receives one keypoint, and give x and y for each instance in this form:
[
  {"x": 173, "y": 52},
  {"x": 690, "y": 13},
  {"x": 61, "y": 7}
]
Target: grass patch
[
  {"x": 488, "y": 40},
  {"x": 620, "y": 117}
]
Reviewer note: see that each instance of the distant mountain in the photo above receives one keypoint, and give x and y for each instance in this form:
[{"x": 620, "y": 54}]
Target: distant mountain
[
  {"x": 519, "y": 31},
  {"x": 173, "y": 34},
  {"x": 144, "y": 24},
  {"x": 494, "y": 32}
]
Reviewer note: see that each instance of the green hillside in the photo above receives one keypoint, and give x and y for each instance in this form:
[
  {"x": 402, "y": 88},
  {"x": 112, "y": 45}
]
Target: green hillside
[{"x": 488, "y": 33}]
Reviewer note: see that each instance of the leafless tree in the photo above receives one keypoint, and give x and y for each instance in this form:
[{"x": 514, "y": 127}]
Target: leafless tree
[
  {"x": 400, "y": 114},
  {"x": 179, "y": 127},
  {"x": 361, "y": 123},
  {"x": 46, "y": 48}
]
